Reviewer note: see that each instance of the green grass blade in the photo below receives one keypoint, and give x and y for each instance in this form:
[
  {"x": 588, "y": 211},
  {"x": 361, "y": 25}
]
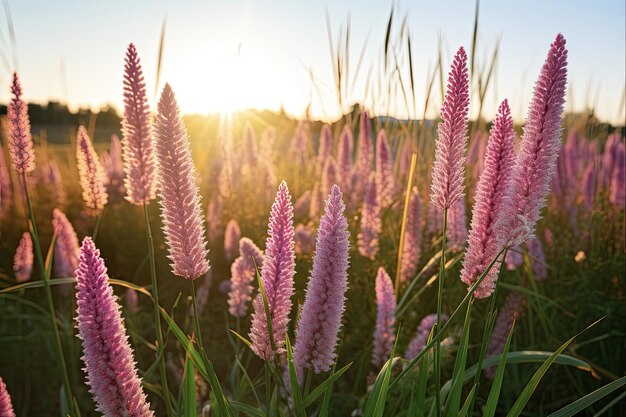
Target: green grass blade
[
  {"x": 321, "y": 388},
  {"x": 454, "y": 399},
  {"x": 243, "y": 339},
  {"x": 494, "y": 393},
  {"x": 268, "y": 317},
  {"x": 189, "y": 389},
  {"x": 293, "y": 379},
  {"x": 376, "y": 403},
  {"x": 246, "y": 409},
  {"x": 422, "y": 381},
  {"x": 468, "y": 402},
  {"x": 587, "y": 400}
]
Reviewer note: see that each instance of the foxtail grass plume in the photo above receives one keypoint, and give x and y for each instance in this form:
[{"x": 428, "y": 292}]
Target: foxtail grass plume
[
  {"x": 231, "y": 240},
  {"x": 66, "y": 247},
  {"x": 178, "y": 192},
  {"x": 539, "y": 148},
  {"x": 277, "y": 277},
  {"x": 20, "y": 139},
  {"x": 138, "y": 152},
  {"x": 91, "y": 172},
  {"x": 242, "y": 274},
  {"x": 329, "y": 175},
  {"x": 23, "y": 259},
  {"x": 411, "y": 249},
  {"x": 421, "y": 338},
  {"x": 6, "y": 408},
  {"x": 111, "y": 372},
  {"x": 318, "y": 329},
  {"x": 494, "y": 180},
  {"x": 449, "y": 166},
  {"x": 365, "y": 150},
  {"x": 385, "y": 184},
  {"x": 434, "y": 221},
  {"x": 344, "y": 159},
  {"x": 371, "y": 225},
  {"x": 384, "y": 334},
  {"x": 456, "y": 232}
]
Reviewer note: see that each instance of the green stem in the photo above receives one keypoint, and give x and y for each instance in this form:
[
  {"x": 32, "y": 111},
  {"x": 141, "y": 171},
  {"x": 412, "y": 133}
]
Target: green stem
[
  {"x": 48, "y": 291},
  {"x": 96, "y": 227},
  {"x": 157, "y": 317},
  {"x": 487, "y": 332},
  {"x": 442, "y": 270}
]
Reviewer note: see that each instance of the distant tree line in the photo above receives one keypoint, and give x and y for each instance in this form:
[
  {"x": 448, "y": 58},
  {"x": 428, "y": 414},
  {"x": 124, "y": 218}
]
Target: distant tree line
[{"x": 56, "y": 113}]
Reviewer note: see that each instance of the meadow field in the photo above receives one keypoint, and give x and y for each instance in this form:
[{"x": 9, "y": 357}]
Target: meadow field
[{"x": 253, "y": 263}]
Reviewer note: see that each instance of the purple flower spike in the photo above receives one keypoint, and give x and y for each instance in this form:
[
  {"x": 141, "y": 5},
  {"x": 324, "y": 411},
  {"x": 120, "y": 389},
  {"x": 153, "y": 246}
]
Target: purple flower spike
[
  {"x": 6, "y": 408},
  {"x": 512, "y": 309},
  {"x": 537, "y": 259},
  {"x": 111, "y": 372},
  {"x": 384, "y": 170},
  {"x": 91, "y": 172},
  {"x": 384, "y": 335},
  {"x": 277, "y": 276},
  {"x": 371, "y": 225},
  {"x": 329, "y": 175},
  {"x": 325, "y": 147},
  {"x": 617, "y": 194},
  {"x": 457, "y": 228},
  {"x": 178, "y": 192},
  {"x": 344, "y": 159},
  {"x": 449, "y": 167},
  {"x": 243, "y": 273},
  {"x": 539, "y": 148},
  {"x": 23, "y": 259},
  {"x": 304, "y": 239},
  {"x": 494, "y": 180},
  {"x": 316, "y": 335},
  {"x": 20, "y": 140},
  {"x": 138, "y": 152},
  {"x": 231, "y": 240},
  {"x": 66, "y": 247},
  {"x": 421, "y": 338},
  {"x": 589, "y": 186},
  {"x": 411, "y": 249}
]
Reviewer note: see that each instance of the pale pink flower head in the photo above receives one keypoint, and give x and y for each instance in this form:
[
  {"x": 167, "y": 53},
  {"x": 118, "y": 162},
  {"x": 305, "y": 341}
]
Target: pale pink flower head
[
  {"x": 20, "y": 139},
  {"x": 384, "y": 335},
  {"x": 138, "y": 149},
  {"x": 91, "y": 172},
  {"x": 421, "y": 338},
  {"x": 304, "y": 239},
  {"x": 23, "y": 259},
  {"x": 329, "y": 175},
  {"x": 277, "y": 277},
  {"x": 493, "y": 183},
  {"x": 66, "y": 247},
  {"x": 539, "y": 148},
  {"x": 456, "y": 231},
  {"x": 344, "y": 159},
  {"x": 385, "y": 183},
  {"x": 302, "y": 205},
  {"x": 537, "y": 259},
  {"x": 617, "y": 191},
  {"x": 231, "y": 240},
  {"x": 411, "y": 249},
  {"x": 449, "y": 166},
  {"x": 371, "y": 224},
  {"x": 214, "y": 217},
  {"x": 325, "y": 147},
  {"x": 178, "y": 192},
  {"x": 316, "y": 335},
  {"x": 109, "y": 363},
  {"x": 243, "y": 274},
  {"x": 6, "y": 408}
]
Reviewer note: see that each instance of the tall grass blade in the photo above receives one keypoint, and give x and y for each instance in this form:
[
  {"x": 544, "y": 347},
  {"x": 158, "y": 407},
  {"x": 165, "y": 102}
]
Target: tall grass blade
[
  {"x": 589, "y": 399},
  {"x": 376, "y": 403},
  {"x": 494, "y": 393},
  {"x": 454, "y": 399},
  {"x": 189, "y": 389}
]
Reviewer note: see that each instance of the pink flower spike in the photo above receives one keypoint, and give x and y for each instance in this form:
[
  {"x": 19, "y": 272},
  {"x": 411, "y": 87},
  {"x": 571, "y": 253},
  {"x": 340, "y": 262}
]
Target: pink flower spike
[
  {"x": 109, "y": 363},
  {"x": 494, "y": 180},
  {"x": 344, "y": 159},
  {"x": 243, "y": 274},
  {"x": 6, "y": 408},
  {"x": 329, "y": 175},
  {"x": 457, "y": 229},
  {"x": 385, "y": 183},
  {"x": 138, "y": 153},
  {"x": 277, "y": 277},
  {"x": 316, "y": 335},
  {"x": 325, "y": 146},
  {"x": 66, "y": 247},
  {"x": 421, "y": 338},
  {"x": 371, "y": 225},
  {"x": 411, "y": 249},
  {"x": 231, "y": 240},
  {"x": 178, "y": 192},
  {"x": 304, "y": 239},
  {"x": 539, "y": 148},
  {"x": 384, "y": 335},
  {"x": 23, "y": 259},
  {"x": 449, "y": 166},
  {"x": 512, "y": 309},
  {"x": 617, "y": 194},
  {"x": 91, "y": 172},
  {"x": 20, "y": 139}
]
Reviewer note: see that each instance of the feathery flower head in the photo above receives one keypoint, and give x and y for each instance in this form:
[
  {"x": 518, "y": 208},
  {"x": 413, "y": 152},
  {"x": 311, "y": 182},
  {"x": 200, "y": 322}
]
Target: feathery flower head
[
  {"x": 421, "y": 338},
  {"x": 20, "y": 139},
  {"x": 371, "y": 224},
  {"x": 51, "y": 177},
  {"x": 139, "y": 160},
  {"x": 231, "y": 240},
  {"x": 514, "y": 258},
  {"x": 242, "y": 274},
  {"x": 589, "y": 186},
  {"x": 449, "y": 167},
  {"x": 178, "y": 192},
  {"x": 91, "y": 172},
  {"x": 384, "y": 335},
  {"x": 214, "y": 217},
  {"x": 316, "y": 335},
  {"x": 111, "y": 372},
  {"x": 325, "y": 146},
  {"x": 23, "y": 259},
  {"x": 617, "y": 192},
  {"x": 250, "y": 253},
  {"x": 456, "y": 232},
  {"x": 304, "y": 239},
  {"x": 411, "y": 249},
  {"x": 365, "y": 151},
  {"x": 384, "y": 170},
  {"x": 493, "y": 183},
  {"x": 329, "y": 175},
  {"x": 277, "y": 277},
  {"x": 6, "y": 408},
  {"x": 301, "y": 207},
  {"x": 344, "y": 158},
  {"x": 539, "y": 148},
  {"x": 66, "y": 247}
]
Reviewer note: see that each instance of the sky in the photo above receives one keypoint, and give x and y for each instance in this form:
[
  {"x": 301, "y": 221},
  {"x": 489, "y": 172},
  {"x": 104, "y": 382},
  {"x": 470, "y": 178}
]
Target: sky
[{"x": 221, "y": 56}]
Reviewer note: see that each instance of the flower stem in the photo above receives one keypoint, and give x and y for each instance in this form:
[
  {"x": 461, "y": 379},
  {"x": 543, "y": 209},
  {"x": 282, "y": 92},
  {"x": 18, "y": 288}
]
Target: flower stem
[
  {"x": 96, "y": 227},
  {"x": 157, "y": 317},
  {"x": 69, "y": 398},
  {"x": 442, "y": 270}
]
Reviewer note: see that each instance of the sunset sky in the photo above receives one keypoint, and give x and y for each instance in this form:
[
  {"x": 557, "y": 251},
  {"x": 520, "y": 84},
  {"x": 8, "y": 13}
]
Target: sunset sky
[{"x": 222, "y": 56}]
